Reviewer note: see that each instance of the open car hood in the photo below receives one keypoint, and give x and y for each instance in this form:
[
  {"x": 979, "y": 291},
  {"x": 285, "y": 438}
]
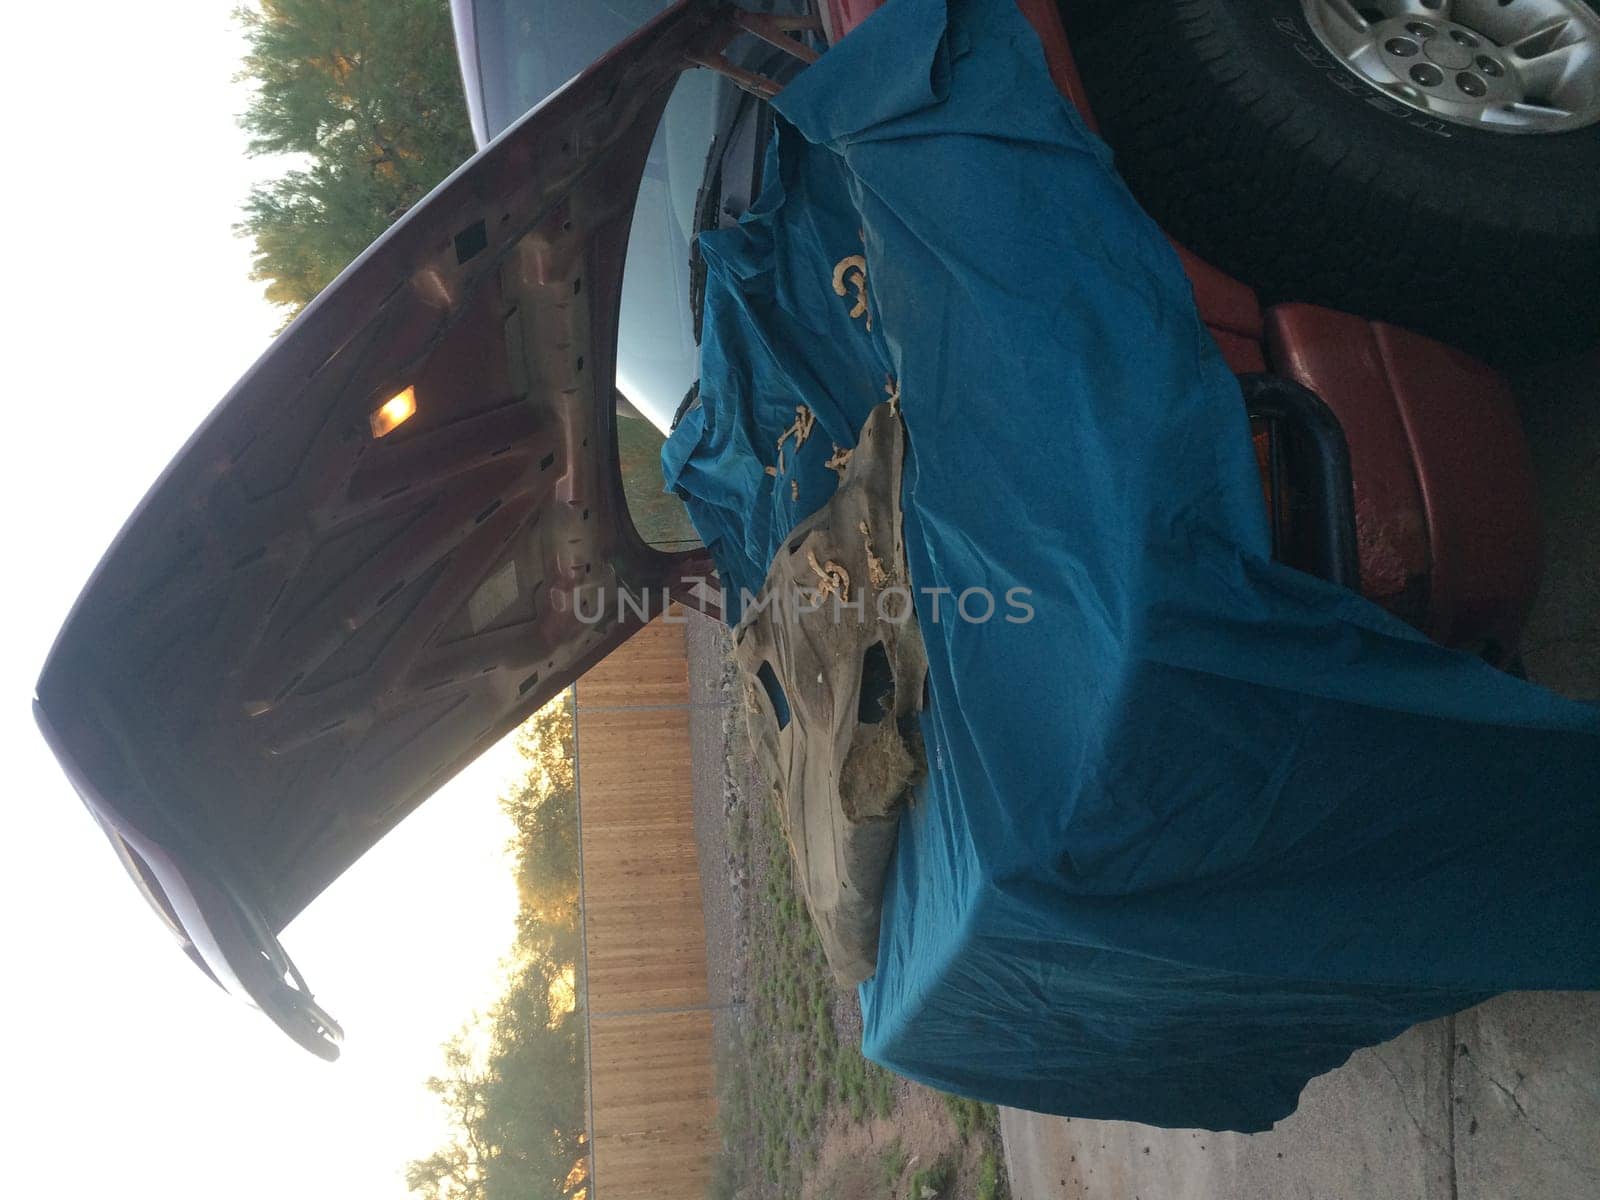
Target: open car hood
[{"x": 306, "y": 628}]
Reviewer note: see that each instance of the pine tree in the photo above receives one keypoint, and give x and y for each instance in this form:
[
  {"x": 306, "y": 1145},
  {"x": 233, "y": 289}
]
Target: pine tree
[{"x": 366, "y": 95}]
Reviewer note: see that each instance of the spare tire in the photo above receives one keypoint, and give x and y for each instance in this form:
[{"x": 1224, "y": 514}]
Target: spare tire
[{"x": 1433, "y": 163}]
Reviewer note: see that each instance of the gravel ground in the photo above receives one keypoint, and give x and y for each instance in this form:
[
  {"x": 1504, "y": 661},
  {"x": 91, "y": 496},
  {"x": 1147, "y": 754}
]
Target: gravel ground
[
  {"x": 726, "y": 775},
  {"x": 847, "y": 1155},
  {"x": 723, "y": 770}
]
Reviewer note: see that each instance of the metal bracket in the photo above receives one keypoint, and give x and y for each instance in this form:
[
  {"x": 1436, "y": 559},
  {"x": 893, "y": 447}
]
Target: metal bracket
[{"x": 770, "y": 28}]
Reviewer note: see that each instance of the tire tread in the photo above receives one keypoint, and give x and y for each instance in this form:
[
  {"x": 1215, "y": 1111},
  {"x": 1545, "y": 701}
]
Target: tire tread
[{"x": 1213, "y": 144}]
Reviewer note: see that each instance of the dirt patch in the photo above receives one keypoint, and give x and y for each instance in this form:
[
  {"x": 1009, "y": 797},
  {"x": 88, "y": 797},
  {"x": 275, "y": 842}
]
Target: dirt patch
[
  {"x": 876, "y": 1158},
  {"x": 922, "y": 1145}
]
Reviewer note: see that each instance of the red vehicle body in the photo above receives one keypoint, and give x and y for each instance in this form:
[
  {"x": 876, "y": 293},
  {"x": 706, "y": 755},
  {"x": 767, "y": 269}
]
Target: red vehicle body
[{"x": 1446, "y": 512}]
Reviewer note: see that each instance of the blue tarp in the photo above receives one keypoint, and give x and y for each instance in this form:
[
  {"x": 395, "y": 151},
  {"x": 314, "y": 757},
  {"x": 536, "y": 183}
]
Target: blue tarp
[{"x": 1204, "y": 824}]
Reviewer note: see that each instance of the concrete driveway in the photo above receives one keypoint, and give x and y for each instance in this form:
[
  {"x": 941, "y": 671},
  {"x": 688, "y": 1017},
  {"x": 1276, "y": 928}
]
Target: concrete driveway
[
  {"x": 1498, "y": 1103},
  {"x": 1501, "y": 1102}
]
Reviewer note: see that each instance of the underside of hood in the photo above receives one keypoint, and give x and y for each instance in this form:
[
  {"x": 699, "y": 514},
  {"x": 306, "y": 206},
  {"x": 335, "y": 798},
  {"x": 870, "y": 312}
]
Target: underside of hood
[{"x": 318, "y": 615}]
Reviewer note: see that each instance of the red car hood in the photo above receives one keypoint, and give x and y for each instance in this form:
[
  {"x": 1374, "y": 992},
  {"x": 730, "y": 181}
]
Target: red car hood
[{"x": 306, "y": 627}]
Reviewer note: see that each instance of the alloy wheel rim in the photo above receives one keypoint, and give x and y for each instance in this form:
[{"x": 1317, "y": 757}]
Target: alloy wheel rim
[{"x": 1503, "y": 66}]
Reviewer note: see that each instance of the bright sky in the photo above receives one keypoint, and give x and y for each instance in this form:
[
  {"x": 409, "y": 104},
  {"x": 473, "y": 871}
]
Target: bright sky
[{"x": 127, "y": 313}]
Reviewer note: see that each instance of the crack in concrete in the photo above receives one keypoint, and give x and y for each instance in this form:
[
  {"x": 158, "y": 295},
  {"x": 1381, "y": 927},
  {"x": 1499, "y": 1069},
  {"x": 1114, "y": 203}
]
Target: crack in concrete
[
  {"x": 1450, "y": 1101},
  {"x": 1405, "y": 1104},
  {"x": 1511, "y": 1095}
]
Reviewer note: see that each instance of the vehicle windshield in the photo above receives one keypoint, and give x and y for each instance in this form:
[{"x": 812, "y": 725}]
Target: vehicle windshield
[{"x": 526, "y": 49}]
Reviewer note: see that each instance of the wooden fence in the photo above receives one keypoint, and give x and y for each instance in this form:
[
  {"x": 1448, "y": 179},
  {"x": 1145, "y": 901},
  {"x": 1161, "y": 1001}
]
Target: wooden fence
[{"x": 652, "y": 1097}]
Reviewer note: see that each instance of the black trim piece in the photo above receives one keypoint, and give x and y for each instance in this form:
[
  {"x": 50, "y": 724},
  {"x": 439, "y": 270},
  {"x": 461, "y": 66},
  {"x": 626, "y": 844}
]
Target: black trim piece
[{"x": 1309, "y": 483}]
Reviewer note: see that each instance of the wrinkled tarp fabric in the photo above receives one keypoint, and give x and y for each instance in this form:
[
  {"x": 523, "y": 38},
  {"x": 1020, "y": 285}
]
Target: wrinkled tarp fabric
[{"x": 1203, "y": 825}]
